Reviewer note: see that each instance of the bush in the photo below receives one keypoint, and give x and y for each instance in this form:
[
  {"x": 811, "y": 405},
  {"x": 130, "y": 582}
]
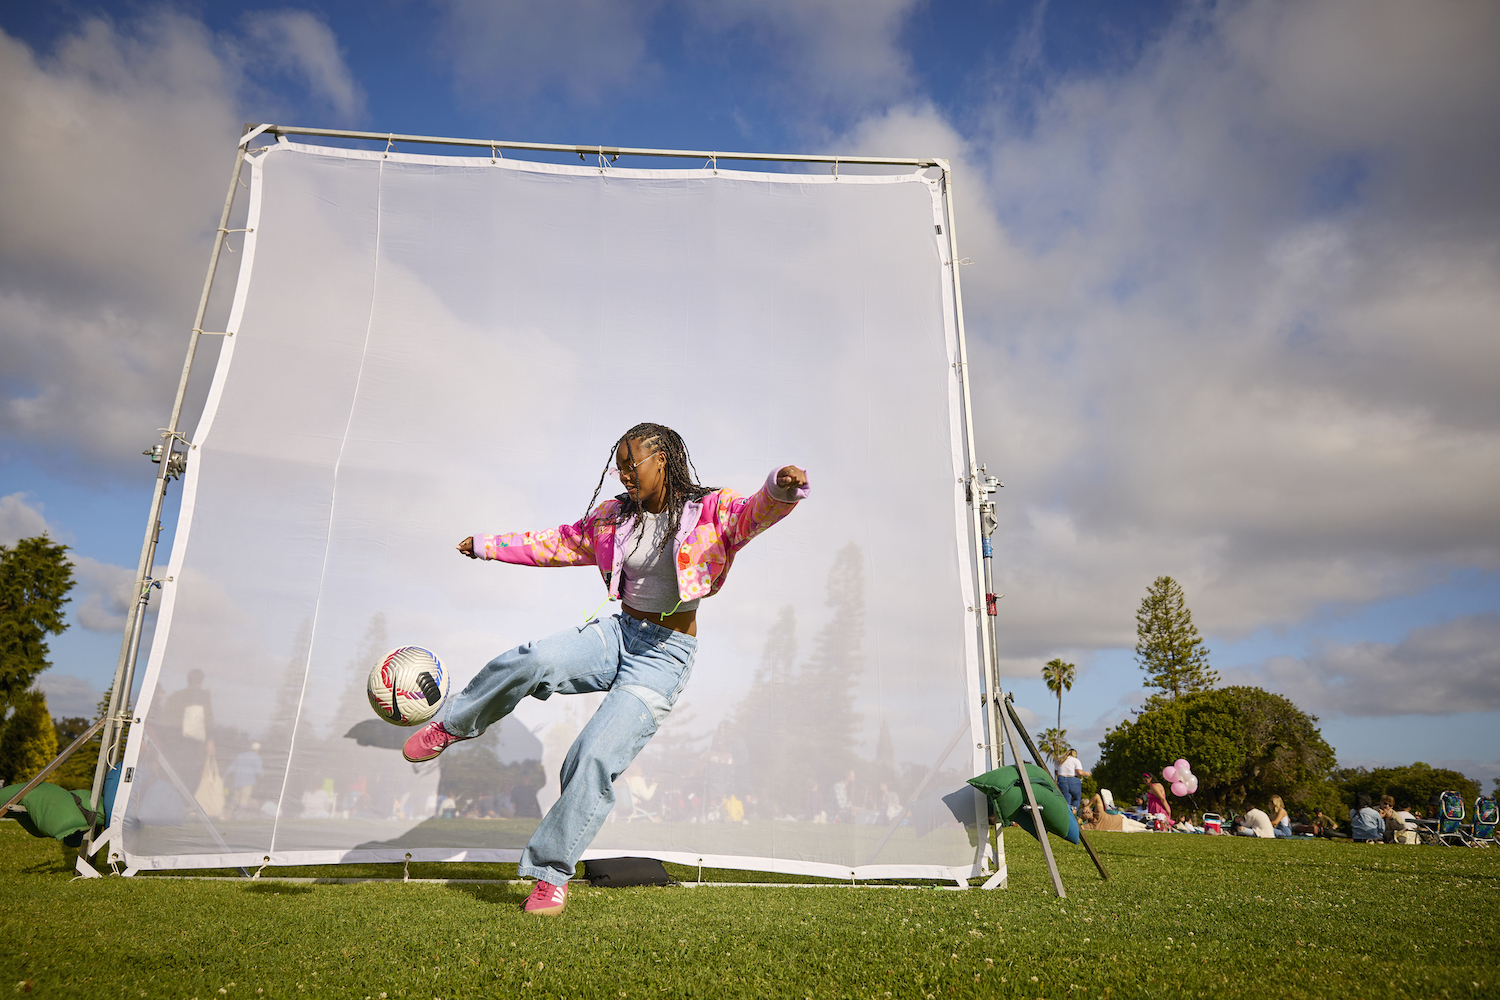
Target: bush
[
  {"x": 30, "y": 741},
  {"x": 1245, "y": 744},
  {"x": 1409, "y": 786},
  {"x": 77, "y": 772}
]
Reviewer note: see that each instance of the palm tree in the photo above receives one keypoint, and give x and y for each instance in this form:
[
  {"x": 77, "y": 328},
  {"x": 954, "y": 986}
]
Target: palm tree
[
  {"x": 1059, "y": 678},
  {"x": 1054, "y": 744}
]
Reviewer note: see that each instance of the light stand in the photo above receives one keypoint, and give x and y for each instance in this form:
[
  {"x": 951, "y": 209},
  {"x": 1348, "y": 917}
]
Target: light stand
[{"x": 1001, "y": 713}]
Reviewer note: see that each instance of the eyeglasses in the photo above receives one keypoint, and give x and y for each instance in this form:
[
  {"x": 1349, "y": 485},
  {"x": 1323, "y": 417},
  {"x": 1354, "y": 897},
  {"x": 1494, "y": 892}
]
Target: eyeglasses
[{"x": 630, "y": 467}]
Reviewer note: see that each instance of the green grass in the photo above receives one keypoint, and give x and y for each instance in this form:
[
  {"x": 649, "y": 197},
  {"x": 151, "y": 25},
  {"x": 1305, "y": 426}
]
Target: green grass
[{"x": 1181, "y": 916}]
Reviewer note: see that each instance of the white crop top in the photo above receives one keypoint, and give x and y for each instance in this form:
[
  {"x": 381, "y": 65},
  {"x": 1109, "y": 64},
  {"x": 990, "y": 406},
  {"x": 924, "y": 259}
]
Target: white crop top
[{"x": 650, "y": 582}]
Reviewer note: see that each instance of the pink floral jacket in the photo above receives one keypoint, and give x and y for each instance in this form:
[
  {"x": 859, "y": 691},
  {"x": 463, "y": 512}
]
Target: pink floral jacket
[{"x": 713, "y": 530}]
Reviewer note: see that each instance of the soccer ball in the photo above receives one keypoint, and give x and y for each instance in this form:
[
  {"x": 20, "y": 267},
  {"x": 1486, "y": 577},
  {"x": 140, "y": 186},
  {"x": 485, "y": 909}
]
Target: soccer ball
[{"x": 408, "y": 685}]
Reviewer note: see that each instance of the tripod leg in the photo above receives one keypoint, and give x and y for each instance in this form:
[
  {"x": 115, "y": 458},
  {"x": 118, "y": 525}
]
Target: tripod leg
[
  {"x": 1010, "y": 710},
  {"x": 1036, "y": 810},
  {"x": 1090, "y": 848}
]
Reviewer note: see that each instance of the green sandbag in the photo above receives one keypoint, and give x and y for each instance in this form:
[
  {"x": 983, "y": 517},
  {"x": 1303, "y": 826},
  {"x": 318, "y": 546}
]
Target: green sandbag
[
  {"x": 51, "y": 811},
  {"x": 1008, "y": 799}
]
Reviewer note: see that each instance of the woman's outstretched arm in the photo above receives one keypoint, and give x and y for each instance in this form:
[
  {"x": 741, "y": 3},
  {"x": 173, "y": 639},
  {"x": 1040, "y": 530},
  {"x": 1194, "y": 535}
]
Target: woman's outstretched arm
[
  {"x": 746, "y": 517},
  {"x": 565, "y": 545}
]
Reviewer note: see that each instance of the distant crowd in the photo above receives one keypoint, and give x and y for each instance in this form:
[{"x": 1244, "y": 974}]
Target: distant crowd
[{"x": 1369, "y": 821}]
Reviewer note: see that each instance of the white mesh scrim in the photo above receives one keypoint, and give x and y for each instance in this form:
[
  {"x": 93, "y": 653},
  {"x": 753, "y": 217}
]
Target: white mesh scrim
[{"x": 427, "y": 348}]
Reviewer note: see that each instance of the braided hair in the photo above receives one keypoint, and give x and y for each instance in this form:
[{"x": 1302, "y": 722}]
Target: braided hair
[{"x": 682, "y": 480}]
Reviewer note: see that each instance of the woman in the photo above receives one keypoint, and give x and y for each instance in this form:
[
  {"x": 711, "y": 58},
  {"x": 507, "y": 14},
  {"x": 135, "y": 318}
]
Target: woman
[
  {"x": 1281, "y": 823},
  {"x": 662, "y": 546},
  {"x": 1070, "y": 775},
  {"x": 1095, "y": 816},
  {"x": 1156, "y": 797},
  {"x": 1365, "y": 824}
]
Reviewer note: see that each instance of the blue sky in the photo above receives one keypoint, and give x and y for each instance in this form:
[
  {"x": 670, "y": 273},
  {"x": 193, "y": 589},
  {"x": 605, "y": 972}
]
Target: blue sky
[{"x": 1232, "y": 308}]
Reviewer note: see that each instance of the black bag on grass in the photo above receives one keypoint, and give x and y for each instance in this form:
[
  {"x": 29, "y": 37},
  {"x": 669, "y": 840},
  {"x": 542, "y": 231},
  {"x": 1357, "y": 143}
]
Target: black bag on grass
[{"x": 615, "y": 873}]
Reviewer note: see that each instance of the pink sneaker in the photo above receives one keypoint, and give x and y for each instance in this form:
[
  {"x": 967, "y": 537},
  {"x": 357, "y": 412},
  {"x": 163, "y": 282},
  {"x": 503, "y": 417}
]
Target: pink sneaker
[
  {"x": 429, "y": 741},
  {"x": 547, "y": 899}
]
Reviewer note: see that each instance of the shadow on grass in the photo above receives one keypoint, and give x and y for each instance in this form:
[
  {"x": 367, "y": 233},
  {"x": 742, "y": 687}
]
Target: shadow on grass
[
  {"x": 53, "y": 866},
  {"x": 277, "y": 889},
  {"x": 501, "y": 895}
]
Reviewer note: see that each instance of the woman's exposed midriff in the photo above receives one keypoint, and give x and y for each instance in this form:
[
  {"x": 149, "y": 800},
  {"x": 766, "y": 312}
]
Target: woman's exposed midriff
[{"x": 679, "y": 621}]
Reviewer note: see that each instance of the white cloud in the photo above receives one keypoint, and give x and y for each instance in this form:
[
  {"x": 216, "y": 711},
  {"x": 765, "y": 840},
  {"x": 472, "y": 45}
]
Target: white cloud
[
  {"x": 504, "y": 49},
  {"x": 843, "y": 53},
  {"x": 1232, "y": 318},
  {"x": 838, "y": 54},
  {"x": 1437, "y": 669},
  {"x": 106, "y": 594},
  {"x": 119, "y": 143},
  {"x": 303, "y": 46},
  {"x": 69, "y": 696},
  {"x": 18, "y": 519}
]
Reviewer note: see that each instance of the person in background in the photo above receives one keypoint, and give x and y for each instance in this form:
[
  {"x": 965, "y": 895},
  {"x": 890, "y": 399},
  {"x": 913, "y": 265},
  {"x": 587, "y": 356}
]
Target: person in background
[
  {"x": 1156, "y": 797},
  {"x": 889, "y": 803},
  {"x": 243, "y": 773},
  {"x": 1365, "y": 823},
  {"x": 1395, "y": 826},
  {"x": 1093, "y": 815},
  {"x": 1256, "y": 824},
  {"x": 1070, "y": 775},
  {"x": 186, "y": 733},
  {"x": 1281, "y": 823},
  {"x": 1319, "y": 825}
]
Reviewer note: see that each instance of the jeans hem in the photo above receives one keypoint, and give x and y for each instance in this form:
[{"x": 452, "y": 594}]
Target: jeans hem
[{"x": 548, "y": 875}]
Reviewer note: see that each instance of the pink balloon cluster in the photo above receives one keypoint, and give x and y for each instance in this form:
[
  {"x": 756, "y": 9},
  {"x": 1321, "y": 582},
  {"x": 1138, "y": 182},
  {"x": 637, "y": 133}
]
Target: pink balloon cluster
[{"x": 1181, "y": 778}]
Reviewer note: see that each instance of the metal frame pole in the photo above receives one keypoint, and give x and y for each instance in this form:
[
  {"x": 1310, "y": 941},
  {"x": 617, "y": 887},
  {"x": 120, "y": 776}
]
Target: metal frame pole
[
  {"x": 57, "y": 762},
  {"x": 167, "y": 469},
  {"x": 988, "y": 522},
  {"x": 994, "y": 750},
  {"x": 987, "y": 485},
  {"x": 989, "y": 678},
  {"x": 605, "y": 152},
  {"x": 171, "y": 462}
]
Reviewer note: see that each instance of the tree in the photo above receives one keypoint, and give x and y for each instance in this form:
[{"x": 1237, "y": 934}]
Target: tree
[
  {"x": 77, "y": 772},
  {"x": 799, "y": 720},
  {"x": 35, "y": 577},
  {"x": 1414, "y": 785},
  {"x": 1245, "y": 745},
  {"x": 1059, "y": 678},
  {"x": 1168, "y": 647},
  {"x": 30, "y": 740},
  {"x": 1054, "y": 743}
]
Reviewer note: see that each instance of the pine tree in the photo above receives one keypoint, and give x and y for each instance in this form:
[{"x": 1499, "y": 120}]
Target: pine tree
[
  {"x": 837, "y": 665},
  {"x": 800, "y": 721},
  {"x": 35, "y": 577},
  {"x": 30, "y": 740},
  {"x": 1168, "y": 647}
]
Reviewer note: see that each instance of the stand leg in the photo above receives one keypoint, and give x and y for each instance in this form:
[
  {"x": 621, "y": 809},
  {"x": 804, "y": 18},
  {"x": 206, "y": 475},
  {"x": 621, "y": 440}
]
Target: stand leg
[
  {"x": 999, "y": 879},
  {"x": 1010, "y": 710},
  {"x": 1036, "y": 810},
  {"x": 56, "y": 763}
]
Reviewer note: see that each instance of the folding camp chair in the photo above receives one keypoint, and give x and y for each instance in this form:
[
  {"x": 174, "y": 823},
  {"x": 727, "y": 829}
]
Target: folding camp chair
[
  {"x": 1486, "y": 816},
  {"x": 1450, "y": 819}
]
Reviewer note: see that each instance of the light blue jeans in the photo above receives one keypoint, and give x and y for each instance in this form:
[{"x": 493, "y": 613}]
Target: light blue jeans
[
  {"x": 1072, "y": 789},
  {"x": 644, "y": 667}
]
